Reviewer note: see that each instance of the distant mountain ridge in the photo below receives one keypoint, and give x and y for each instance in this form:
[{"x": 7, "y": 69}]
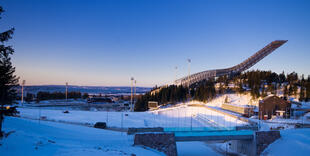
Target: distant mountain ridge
[{"x": 83, "y": 89}]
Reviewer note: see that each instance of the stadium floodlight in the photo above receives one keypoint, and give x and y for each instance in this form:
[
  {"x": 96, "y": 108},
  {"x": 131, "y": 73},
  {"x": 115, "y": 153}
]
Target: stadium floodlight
[
  {"x": 66, "y": 91},
  {"x": 189, "y": 73},
  {"x": 131, "y": 103},
  {"x": 134, "y": 94},
  {"x": 176, "y": 72},
  {"x": 22, "y": 98}
]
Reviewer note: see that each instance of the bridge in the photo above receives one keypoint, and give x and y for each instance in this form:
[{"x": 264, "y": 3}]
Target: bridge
[
  {"x": 244, "y": 141},
  {"x": 210, "y": 134},
  {"x": 248, "y": 63},
  {"x": 201, "y": 133},
  {"x": 214, "y": 136}
]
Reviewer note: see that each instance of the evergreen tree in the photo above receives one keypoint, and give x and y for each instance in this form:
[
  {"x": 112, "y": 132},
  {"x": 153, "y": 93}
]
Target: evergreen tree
[
  {"x": 240, "y": 88},
  {"x": 85, "y": 96},
  {"x": 221, "y": 88},
  {"x": 285, "y": 91},
  {"x": 282, "y": 77},
  {"x": 290, "y": 90},
  {"x": 7, "y": 78},
  {"x": 308, "y": 91},
  {"x": 264, "y": 94},
  {"x": 302, "y": 88},
  {"x": 302, "y": 93},
  {"x": 295, "y": 90}
]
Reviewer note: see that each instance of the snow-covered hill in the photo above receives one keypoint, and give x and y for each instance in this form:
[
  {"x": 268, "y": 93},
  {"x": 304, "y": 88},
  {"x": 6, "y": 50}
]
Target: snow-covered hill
[{"x": 29, "y": 137}]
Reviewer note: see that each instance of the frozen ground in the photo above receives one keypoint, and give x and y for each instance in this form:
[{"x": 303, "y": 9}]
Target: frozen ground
[
  {"x": 28, "y": 137},
  {"x": 195, "y": 149},
  {"x": 182, "y": 116},
  {"x": 293, "y": 142},
  {"x": 233, "y": 99}
]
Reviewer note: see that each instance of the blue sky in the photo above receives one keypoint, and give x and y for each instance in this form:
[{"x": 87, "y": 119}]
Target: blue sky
[{"x": 105, "y": 42}]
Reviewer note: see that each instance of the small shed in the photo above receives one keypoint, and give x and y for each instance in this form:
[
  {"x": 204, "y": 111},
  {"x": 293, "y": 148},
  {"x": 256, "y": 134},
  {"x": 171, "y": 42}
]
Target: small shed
[
  {"x": 152, "y": 105},
  {"x": 273, "y": 105}
]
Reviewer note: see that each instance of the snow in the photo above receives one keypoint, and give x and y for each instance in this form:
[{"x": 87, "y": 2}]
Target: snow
[
  {"x": 292, "y": 142},
  {"x": 202, "y": 116},
  {"x": 233, "y": 99},
  {"x": 182, "y": 116},
  {"x": 52, "y": 138},
  {"x": 30, "y": 137},
  {"x": 194, "y": 149}
]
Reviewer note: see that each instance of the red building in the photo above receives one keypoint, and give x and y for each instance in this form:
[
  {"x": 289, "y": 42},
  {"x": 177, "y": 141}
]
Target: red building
[{"x": 273, "y": 105}]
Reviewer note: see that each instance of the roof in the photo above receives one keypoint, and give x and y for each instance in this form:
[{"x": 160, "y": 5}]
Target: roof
[{"x": 271, "y": 97}]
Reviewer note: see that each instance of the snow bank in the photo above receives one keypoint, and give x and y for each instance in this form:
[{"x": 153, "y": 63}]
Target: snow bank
[
  {"x": 292, "y": 142},
  {"x": 49, "y": 138}
]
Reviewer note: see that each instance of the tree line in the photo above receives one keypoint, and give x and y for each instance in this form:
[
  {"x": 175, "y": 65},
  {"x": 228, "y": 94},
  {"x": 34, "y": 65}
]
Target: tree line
[
  {"x": 40, "y": 96},
  {"x": 202, "y": 91},
  {"x": 166, "y": 95},
  {"x": 258, "y": 83}
]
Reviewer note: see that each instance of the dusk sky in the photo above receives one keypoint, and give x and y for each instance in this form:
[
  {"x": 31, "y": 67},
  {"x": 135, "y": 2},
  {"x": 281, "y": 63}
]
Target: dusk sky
[{"x": 105, "y": 42}]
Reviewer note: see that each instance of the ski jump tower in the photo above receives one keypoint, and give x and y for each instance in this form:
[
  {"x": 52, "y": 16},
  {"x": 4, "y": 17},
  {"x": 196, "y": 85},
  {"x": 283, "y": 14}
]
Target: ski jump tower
[{"x": 248, "y": 63}]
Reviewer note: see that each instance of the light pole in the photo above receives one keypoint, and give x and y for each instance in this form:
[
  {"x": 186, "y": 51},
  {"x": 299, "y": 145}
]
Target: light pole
[
  {"x": 189, "y": 73},
  {"x": 131, "y": 109},
  {"x": 134, "y": 94},
  {"x": 66, "y": 91},
  {"x": 22, "y": 99},
  {"x": 175, "y": 76}
]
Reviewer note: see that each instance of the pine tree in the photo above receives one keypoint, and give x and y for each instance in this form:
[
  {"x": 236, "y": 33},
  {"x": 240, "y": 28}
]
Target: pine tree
[
  {"x": 7, "y": 78},
  {"x": 285, "y": 91},
  {"x": 264, "y": 94},
  {"x": 290, "y": 90},
  {"x": 308, "y": 91},
  {"x": 302, "y": 93}
]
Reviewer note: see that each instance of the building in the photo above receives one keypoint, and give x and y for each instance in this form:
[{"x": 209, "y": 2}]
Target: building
[
  {"x": 97, "y": 100},
  {"x": 244, "y": 110},
  {"x": 152, "y": 105},
  {"x": 273, "y": 106}
]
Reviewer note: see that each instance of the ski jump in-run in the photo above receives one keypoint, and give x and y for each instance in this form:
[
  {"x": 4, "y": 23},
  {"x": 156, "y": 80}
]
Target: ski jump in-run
[{"x": 248, "y": 63}]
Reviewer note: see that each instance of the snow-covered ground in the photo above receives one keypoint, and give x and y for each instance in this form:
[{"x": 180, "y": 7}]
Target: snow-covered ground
[
  {"x": 29, "y": 137},
  {"x": 36, "y": 138},
  {"x": 182, "y": 116},
  {"x": 195, "y": 149},
  {"x": 292, "y": 142},
  {"x": 233, "y": 99},
  {"x": 203, "y": 116}
]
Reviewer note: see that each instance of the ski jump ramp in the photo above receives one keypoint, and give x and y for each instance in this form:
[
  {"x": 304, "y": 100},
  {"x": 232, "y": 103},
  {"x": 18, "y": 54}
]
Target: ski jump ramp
[{"x": 248, "y": 63}]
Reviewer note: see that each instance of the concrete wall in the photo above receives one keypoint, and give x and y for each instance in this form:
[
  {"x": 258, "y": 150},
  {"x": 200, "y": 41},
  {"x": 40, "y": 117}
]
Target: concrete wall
[
  {"x": 163, "y": 142},
  {"x": 262, "y": 140},
  {"x": 141, "y": 130}
]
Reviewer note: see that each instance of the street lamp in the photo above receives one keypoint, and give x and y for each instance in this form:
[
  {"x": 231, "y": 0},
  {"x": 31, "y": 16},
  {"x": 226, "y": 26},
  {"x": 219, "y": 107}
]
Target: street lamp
[
  {"x": 131, "y": 103},
  {"x": 66, "y": 91},
  {"x": 134, "y": 94},
  {"x": 175, "y": 76},
  {"x": 23, "y": 84},
  {"x": 189, "y": 73}
]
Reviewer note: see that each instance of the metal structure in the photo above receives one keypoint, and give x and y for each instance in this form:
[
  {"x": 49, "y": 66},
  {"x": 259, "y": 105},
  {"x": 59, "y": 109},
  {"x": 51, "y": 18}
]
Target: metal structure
[
  {"x": 66, "y": 91},
  {"x": 22, "y": 98},
  {"x": 248, "y": 63},
  {"x": 131, "y": 98}
]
